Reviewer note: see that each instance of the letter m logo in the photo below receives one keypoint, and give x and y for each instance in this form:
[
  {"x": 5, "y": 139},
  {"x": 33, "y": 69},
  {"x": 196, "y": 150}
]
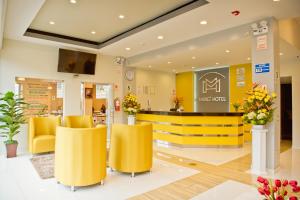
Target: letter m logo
[{"x": 214, "y": 85}]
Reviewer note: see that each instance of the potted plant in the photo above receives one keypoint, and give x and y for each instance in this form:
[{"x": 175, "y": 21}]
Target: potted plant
[
  {"x": 131, "y": 107},
  {"x": 258, "y": 111},
  {"x": 236, "y": 106},
  {"x": 11, "y": 117}
]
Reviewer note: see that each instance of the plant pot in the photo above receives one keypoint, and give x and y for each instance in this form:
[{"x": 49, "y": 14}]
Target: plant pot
[
  {"x": 259, "y": 149},
  {"x": 258, "y": 127},
  {"x": 131, "y": 119},
  {"x": 11, "y": 150}
]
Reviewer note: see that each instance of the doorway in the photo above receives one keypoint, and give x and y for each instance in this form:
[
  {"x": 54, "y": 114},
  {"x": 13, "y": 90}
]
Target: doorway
[{"x": 286, "y": 108}]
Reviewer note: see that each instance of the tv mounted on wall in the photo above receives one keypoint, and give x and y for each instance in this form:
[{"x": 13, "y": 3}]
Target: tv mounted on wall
[{"x": 76, "y": 62}]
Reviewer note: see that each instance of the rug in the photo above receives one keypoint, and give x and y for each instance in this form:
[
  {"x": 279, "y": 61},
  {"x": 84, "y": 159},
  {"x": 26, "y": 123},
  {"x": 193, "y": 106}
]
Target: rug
[{"x": 44, "y": 165}]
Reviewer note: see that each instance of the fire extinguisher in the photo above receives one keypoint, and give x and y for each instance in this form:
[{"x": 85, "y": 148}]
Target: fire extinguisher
[{"x": 117, "y": 104}]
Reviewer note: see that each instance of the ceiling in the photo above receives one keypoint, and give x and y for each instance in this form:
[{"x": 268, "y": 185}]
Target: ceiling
[
  {"x": 102, "y": 16},
  {"x": 184, "y": 36}
]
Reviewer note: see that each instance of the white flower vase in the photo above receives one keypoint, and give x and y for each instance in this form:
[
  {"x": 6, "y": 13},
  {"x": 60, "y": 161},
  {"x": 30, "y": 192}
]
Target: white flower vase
[
  {"x": 259, "y": 149},
  {"x": 131, "y": 119}
]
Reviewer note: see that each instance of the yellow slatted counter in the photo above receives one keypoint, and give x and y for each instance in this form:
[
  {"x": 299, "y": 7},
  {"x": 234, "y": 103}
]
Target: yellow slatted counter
[{"x": 192, "y": 129}]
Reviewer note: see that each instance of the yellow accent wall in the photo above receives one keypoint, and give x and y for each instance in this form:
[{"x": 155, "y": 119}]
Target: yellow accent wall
[
  {"x": 238, "y": 94},
  {"x": 185, "y": 90}
]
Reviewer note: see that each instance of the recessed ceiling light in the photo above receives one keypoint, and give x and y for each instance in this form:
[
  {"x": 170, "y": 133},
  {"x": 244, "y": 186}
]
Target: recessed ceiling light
[
  {"x": 127, "y": 48},
  {"x": 276, "y": 0},
  {"x": 281, "y": 54},
  {"x": 169, "y": 62},
  {"x": 149, "y": 66},
  {"x": 174, "y": 70},
  {"x": 49, "y": 88},
  {"x": 248, "y": 58},
  {"x": 52, "y": 22},
  {"x": 160, "y": 37},
  {"x": 93, "y": 32},
  {"x": 203, "y": 22},
  {"x": 193, "y": 67},
  {"x": 217, "y": 63},
  {"x": 227, "y": 51},
  {"x": 21, "y": 79},
  {"x": 194, "y": 57},
  {"x": 121, "y": 16},
  {"x": 73, "y": 1}
]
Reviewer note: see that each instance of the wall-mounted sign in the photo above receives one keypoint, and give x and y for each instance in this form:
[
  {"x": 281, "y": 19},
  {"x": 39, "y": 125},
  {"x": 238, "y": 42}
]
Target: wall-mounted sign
[
  {"x": 240, "y": 76},
  {"x": 261, "y": 42},
  {"x": 212, "y": 90},
  {"x": 262, "y": 68}
]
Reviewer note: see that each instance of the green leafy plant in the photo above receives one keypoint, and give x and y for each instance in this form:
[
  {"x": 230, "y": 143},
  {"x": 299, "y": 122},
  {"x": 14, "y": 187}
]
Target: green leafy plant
[{"x": 11, "y": 116}]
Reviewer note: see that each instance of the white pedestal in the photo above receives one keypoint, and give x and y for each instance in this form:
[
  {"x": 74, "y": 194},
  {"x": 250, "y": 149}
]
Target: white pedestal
[
  {"x": 259, "y": 153},
  {"x": 131, "y": 119}
]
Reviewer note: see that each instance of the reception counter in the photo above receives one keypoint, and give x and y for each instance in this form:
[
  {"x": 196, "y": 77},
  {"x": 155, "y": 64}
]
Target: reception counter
[{"x": 195, "y": 129}]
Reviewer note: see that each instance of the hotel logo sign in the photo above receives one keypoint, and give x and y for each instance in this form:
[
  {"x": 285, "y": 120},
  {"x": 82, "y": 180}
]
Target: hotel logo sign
[{"x": 213, "y": 90}]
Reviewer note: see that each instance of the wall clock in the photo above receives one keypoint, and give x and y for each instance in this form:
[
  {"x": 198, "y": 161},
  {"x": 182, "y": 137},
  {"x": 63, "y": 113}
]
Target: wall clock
[{"x": 129, "y": 75}]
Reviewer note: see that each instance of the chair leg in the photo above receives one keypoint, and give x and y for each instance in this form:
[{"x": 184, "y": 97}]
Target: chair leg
[
  {"x": 132, "y": 174},
  {"x": 73, "y": 188},
  {"x": 102, "y": 182}
]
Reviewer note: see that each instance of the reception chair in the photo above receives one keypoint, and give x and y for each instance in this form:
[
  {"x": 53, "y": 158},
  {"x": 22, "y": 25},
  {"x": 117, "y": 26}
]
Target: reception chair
[
  {"x": 131, "y": 148},
  {"x": 80, "y": 156},
  {"x": 79, "y": 121},
  {"x": 41, "y": 134}
]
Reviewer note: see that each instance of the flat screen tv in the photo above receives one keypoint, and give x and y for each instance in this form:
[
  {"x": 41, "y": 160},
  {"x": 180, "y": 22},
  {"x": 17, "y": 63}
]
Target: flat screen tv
[{"x": 76, "y": 62}]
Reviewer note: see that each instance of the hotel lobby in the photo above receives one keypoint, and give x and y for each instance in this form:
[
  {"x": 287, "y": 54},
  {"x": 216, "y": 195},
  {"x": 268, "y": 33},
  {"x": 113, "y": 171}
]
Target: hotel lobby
[{"x": 146, "y": 100}]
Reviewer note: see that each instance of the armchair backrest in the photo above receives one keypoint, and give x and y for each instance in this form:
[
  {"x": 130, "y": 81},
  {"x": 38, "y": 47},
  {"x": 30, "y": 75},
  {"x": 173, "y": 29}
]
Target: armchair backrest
[
  {"x": 44, "y": 125},
  {"x": 85, "y": 121}
]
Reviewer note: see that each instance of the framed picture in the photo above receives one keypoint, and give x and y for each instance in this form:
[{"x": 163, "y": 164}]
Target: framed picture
[{"x": 88, "y": 93}]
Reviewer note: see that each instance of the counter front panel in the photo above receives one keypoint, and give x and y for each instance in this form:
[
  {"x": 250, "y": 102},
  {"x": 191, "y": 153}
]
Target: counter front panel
[{"x": 196, "y": 129}]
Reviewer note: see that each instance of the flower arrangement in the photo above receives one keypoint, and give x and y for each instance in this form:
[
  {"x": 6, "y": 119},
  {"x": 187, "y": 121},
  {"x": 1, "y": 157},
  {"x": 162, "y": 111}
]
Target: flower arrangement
[
  {"x": 277, "y": 190},
  {"x": 130, "y": 104},
  {"x": 176, "y": 100},
  {"x": 258, "y": 106},
  {"x": 236, "y": 106}
]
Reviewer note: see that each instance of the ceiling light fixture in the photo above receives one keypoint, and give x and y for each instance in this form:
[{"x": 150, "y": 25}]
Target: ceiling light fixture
[
  {"x": 73, "y": 1},
  {"x": 248, "y": 58},
  {"x": 217, "y": 63},
  {"x": 169, "y": 62},
  {"x": 160, "y": 37},
  {"x": 149, "y": 66},
  {"x": 121, "y": 16},
  {"x": 193, "y": 67},
  {"x": 227, "y": 51},
  {"x": 276, "y": 0},
  {"x": 281, "y": 54},
  {"x": 203, "y": 22},
  {"x": 93, "y": 32},
  {"x": 194, "y": 57},
  {"x": 127, "y": 49},
  {"x": 52, "y": 22}
]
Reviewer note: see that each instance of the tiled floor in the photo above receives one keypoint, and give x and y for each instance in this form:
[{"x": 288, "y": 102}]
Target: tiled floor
[
  {"x": 19, "y": 181},
  {"x": 214, "y": 156}
]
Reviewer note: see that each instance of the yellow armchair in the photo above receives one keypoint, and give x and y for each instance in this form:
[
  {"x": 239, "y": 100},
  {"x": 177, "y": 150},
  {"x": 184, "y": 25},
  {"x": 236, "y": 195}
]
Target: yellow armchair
[
  {"x": 131, "y": 148},
  {"x": 85, "y": 121},
  {"x": 80, "y": 156},
  {"x": 41, "y": 133}
]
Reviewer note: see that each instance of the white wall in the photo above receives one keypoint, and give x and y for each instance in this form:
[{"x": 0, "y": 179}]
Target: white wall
[
  {"x": 161, "y": 83},
  {"x": 293, "y": 69},
  {"x": 38, "y": 61}
]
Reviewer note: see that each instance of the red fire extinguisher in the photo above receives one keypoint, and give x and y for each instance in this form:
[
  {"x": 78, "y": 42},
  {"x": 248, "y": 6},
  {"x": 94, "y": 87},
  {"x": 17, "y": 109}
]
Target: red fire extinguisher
[{"x": 117, "y": 104}]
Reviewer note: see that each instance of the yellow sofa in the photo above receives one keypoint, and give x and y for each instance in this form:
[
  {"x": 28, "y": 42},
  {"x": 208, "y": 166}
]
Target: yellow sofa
[
  {"x": 84, "y": 121},
  {"x": 41, "y": 133},
  {"x": 80, "y": 156},
  {"x": 131, "y": 148}
]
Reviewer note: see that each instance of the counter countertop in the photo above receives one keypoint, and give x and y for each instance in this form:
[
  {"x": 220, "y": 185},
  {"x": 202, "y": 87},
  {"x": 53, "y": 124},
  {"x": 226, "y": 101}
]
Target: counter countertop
[{"x": 192, "y": 113}]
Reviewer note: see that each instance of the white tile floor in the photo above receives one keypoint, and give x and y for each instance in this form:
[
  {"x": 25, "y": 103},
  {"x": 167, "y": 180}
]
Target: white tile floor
[
  {"x": 230, "y": 190},
  {"x": 19, "y": 181},
  {"x": 214, "y": 156}
]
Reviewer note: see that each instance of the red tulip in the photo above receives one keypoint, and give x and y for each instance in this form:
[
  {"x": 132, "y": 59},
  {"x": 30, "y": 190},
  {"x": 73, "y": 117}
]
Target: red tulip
[
  {"x": 261, "y": 191},
  {"x": 266, "y": 182},
  {"x": 261, "y": 179},
  {"x": 267, "y": 191},
  {"x": 285, "y": 193},
  {"x": 293, "y": 198},
  {"x": 278, "y": 183},
  {"x": 279, "y": 198},
  {"x": 285, "y": 183},
  {"x": 293, "y": 183},
  {"x": 275, "y": 189},
  {"x": 296, "y": 189}
]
